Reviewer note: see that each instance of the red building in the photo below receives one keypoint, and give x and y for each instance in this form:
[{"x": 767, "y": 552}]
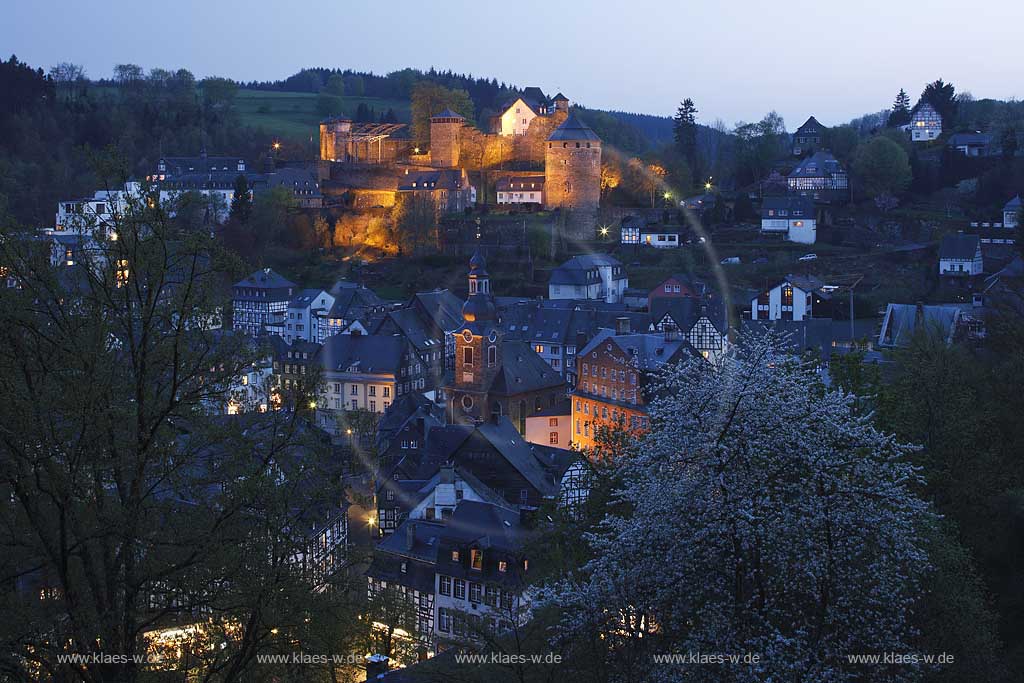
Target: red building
[{"x": 677, "y": 286}]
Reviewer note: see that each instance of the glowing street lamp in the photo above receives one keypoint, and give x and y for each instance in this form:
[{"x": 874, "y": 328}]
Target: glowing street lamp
[
  {"x": 276, "y": 145},
  {"x": 707, "y": 185},
  {"x": 604, "y": 231}
]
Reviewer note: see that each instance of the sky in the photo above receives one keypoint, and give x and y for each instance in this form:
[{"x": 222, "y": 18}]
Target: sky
[{"x": 737, "y": 60}]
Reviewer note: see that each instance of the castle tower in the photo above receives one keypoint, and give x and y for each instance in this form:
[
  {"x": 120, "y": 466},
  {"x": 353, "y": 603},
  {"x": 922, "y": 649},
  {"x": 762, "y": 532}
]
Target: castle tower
[
  {"x": 335, "y": 134},
  {"x": 477, "y": 349},
  {"x": 561, "y": 102},
  {"x": 445, "y": 133},
  {"x": 572, "y": 167}
]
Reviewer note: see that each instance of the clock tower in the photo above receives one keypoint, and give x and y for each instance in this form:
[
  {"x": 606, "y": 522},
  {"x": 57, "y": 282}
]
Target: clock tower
[{"x": 477, "y": 351}]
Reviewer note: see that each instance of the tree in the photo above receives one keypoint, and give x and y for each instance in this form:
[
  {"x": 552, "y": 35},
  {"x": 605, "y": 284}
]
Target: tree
[
  {"x": 355, "y": 86},
  {"x": 335, "y": 85},
  {"x": 69, "y": 78},
  {"x": 219, "y": 93},
  {"x": 1008, "y": 142},
  {"x": 428, "y": 99},
  {"x": 329, "y": 105},
  {"x": 270, "y": 213},
  {"x": 241, "y": 200},
  {"x": 128, "y": 74},
  {"x": 130, "y": 504},
  {"x": 842, "y": 141},
  {"x": 942, "y": 96},
  {"x": 684, "y": 129},
  {"x": 760, "y": 514},
  {"x": 900, "y": 114},
  {"x": 881, "y": 167}
]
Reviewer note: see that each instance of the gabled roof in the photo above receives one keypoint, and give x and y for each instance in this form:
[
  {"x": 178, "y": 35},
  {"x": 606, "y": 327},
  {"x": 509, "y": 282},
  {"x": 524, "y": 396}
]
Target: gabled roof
[
  {"x": 522, "y": 371},
  {"x": 648, "y": 351},
  {"x": 572, "y": 129},
  {"x": 266, "y": 279},
  {"x": 960, "y": 247},
  {"x": 790, "y": 203},
  {"x": 352, "y": 301},
  {"x": 518, "y": 453},
  {"x": 447, "y": 179},
  {"x": 901, "y": 321},
  {"x": 365, "y": 353},
  {"x": 1015, "y": 204},
  {"x": 442, "y": 307},
  {"x": 818, "y": 165},
  {"x": 686, "y": 311},
  {"x": 412, "y": 326},
  {"x": 811, "y": 123},
  {"x": 575, "y": 270},
  {"x": 969, "y": 139},
  {"x": 304, "y": 297}
]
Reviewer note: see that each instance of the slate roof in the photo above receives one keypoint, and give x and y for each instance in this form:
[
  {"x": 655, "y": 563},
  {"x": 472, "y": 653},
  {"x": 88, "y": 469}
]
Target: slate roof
[
  {"x": 534, "y": 98},
  {"x": 412, "y": 328},
  {"x": 580, "y": 270},
  {"x": 369, "y": 353},
  {"x": 203, "y": 164},
  {"x": 969, "y": 140},
  {"x": 448, "y": 179},
  {"x": 816, "y": 334},
  {"x": 959, "y": 247},
  {"x": 352, "y": 301},
  {"x": 1014, "y": 204},
  {"x": 686, "y": 311},
  {"x": 523, "y": 371},
  {"x": 526, "y": 183},
  {"x": 293, "y": 179},
  {"x": 442, "y": 307},
  {"x": 447, "y": 113},
  {"x": 649, "y": 351},
  {"x": 818, "y": 165},
  {"x": 266, "y": 279},
  {"x": 304, "y": 297},
  {"x": 572, "y": 129},
  {"x": 791, "y": 204},
  {"x": 562, "y": 321},
  {"x": 809, "y": 123},
  {"x": 901, "y": 321}
]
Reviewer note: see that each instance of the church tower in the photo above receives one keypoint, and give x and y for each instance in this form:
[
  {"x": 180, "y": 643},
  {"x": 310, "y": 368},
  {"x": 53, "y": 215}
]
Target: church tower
[{"x": 477, "y": 350}]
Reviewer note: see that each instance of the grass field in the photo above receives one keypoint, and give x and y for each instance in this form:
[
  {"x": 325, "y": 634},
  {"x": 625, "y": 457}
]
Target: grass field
[{"x": 294, "y": 115}]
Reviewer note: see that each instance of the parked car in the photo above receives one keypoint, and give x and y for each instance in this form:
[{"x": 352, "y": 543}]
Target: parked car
[
  {"x": 808, "y": 257},
  {"x": 730, "y": 260}
]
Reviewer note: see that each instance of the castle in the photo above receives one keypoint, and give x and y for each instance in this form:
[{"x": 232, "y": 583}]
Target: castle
[{"x": 534, "y": 141}]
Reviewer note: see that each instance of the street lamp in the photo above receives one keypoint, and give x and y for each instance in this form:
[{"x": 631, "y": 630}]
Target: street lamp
[{"x": 707, "y": 185}]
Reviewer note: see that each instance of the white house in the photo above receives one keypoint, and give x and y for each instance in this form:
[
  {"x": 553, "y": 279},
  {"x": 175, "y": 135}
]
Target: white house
[
  {"x": 550, "y": 427},
  {"x": 521, "y": 190},
  {"x": 925, "y": 123},
  {"x": 307, "y": 311},
  {"x": 591, "y": 276},
  {"x": 660, "y": 240},
  {"x": 1012, "y": 211},
  {"x": 519, "y": 113},
  {"x": 792, "y": 216},
  {"x": 795, "y": 298},
  {"x": 960, "y": 255}
]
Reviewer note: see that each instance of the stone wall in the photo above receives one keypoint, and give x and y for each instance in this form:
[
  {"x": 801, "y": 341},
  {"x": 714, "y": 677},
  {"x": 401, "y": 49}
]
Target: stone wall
[{"x": 573, "y": 175}]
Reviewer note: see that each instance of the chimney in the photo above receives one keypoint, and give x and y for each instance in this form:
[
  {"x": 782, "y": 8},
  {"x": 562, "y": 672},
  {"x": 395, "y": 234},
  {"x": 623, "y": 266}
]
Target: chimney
[
  {"x": 376, "y": 666},
  {"x": 410, "y": 534},
  {"x": 581, "y": 341},
  {"x": 448, "y": 474},
  {"x": 622, "y": 325}
]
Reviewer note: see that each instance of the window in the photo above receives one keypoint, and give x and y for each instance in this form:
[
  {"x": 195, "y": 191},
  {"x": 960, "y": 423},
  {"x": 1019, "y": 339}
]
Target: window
[
  {"x": 355, "y": 390},
  {"x": 373, "y": 391},
  {"x": 502, "y": 566},
  {"x": 475, "y": 589},
  {"x": 455, "y": 556},
  {"x": 476, "y": 559},
  {"x": 444, "y": 620},
  {"x": 467, "y": 355},
  {"x": 492, "y": 356},
  {"x": 491, "y": 596},
  {"x": 553, "y": 438},
  {"x": 373, "y": 406},
  {"x": 445, "y": 585},
  {"x": 387, "y": 392},
  {"x": 553, "y": 421},
  {"x": 460, "y": 589},
  {"x": 405, "y": 567},
  {"x": 539, "y": 348}
]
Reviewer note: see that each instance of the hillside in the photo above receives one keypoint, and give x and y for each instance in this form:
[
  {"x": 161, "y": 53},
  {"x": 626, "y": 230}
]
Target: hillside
[{"x": 294, "y": 115}]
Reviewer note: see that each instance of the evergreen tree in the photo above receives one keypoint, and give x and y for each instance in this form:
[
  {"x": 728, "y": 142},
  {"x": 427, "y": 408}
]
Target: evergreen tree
[
  {"x": 1008, "y": 142},
  {"x": 942, "y": 96},
  {"x": 684, "y": 128},
  {"x": 900, "y": 110},
  {"x": 241, "y": 202}
]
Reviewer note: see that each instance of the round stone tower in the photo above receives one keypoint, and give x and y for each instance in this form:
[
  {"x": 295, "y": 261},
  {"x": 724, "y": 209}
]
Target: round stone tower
[
  {"x": 445, "y": 133},
  {"x": 572, "y": 167}
]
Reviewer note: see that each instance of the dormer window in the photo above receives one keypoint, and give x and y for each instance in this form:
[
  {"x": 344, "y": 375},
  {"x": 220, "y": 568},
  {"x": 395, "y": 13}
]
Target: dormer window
[
  {"x": 455, "y": 556},
  {"x": 476, "y": 559},
  {"x": 502, "y": 566}
]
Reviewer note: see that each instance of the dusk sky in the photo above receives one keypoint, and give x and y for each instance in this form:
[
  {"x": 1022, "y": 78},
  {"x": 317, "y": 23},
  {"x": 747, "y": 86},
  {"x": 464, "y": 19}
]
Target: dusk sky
[{"x": 737, "y": 60}]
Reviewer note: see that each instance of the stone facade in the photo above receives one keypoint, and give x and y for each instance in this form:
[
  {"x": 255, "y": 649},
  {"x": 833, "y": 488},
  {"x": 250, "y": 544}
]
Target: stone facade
[
  {"x": 572, "y": 168},
  {"x": 445, "y": 133}
]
